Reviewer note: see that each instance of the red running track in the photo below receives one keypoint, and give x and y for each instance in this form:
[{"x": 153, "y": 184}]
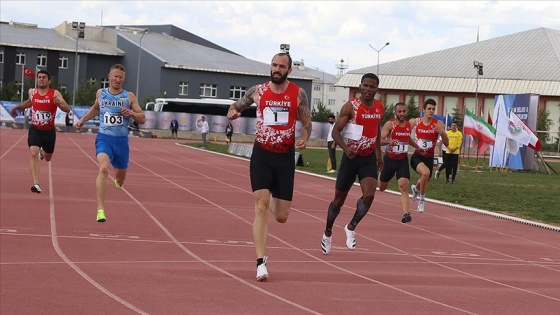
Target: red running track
[{"x": 178, "y": 240}]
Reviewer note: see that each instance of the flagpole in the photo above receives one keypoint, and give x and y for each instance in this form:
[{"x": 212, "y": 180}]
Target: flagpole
[
  {"x": 22, "y": 72},
  {"x": 35, "y": 79}
]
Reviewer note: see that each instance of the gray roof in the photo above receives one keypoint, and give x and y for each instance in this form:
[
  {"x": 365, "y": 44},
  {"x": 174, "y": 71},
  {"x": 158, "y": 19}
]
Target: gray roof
[
  {"x": 30, "y": 36},
  {"x": 182, "y": 54},
  {"x": 192, "y": 52},
  {"x": 525, "y": 62}
]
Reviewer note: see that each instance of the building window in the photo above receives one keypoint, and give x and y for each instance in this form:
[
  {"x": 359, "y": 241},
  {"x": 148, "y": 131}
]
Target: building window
[
  {"x": 20, "y": 58},
  {"x": 2, "y": 56},
  {"x": 63, "y": 62},
  {"x": 104, "y": 83},
  {"x": 183, "y": 88},
  {"x": 316, "y": 101},
  {"x": 331, "y": 102},
  {"x": 317, "y": 87},
  {"x": 332, "y": 88},
  {"x": 208, "y": 90},
  {"x": 236, "y": 92},
  {"x": 42, "y": 61}
]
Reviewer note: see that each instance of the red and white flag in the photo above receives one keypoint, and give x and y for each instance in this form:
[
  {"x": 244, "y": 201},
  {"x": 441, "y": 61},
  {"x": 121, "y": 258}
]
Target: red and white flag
[{"x": 28, "y": 72}]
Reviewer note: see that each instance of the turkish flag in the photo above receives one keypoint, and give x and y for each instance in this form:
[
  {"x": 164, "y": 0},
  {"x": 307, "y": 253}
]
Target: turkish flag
[{"x": 28, "y": 72}]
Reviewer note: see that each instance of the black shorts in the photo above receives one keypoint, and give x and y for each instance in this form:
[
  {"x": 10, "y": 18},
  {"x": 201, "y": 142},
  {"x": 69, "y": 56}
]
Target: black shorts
[
  {"x": 392, "y": 167},
  {"x": 42, "y": 138},
  {"x": 416, "y": 159},
  {"x": 361, "y": 166},
  {"x": 273, "y": 171}
]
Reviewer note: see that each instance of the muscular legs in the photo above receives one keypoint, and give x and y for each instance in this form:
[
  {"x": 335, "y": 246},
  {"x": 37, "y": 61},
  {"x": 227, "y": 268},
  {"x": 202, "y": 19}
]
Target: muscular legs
[{"x": 263, "y": 204}]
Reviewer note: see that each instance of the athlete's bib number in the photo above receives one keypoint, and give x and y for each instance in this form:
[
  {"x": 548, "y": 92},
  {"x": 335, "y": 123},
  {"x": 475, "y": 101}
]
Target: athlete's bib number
[
  {"x": 42, "y": 116},
  {"x": 354, "y": 131},
  {"x": 276, "y": 116},
  {"x": 402, "y": 147},
  {"x": 113, "y": 119},
  {"x": 425, "y": 143}
]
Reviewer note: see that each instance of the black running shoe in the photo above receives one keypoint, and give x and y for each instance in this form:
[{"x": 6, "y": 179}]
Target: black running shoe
[
  {"x": 36, "y": 188},
  {"x": 406, "y": 218}
]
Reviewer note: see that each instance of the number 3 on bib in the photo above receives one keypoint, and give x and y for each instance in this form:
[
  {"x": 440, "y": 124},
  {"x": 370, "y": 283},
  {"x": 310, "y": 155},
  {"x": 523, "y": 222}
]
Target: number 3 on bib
[{"x": 112, "y": 119}]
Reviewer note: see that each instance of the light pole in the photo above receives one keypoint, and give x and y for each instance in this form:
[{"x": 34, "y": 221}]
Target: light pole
[
  {"x": 80, "y": 33},
  {"x": 138, "y": 73},
  {"x": 378, "y": 51},
  {"x": 479, "y": 71}
]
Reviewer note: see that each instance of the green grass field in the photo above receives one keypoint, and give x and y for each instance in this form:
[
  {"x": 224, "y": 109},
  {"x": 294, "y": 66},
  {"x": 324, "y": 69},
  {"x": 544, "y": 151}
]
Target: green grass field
[{"x": 527, "y": 195}]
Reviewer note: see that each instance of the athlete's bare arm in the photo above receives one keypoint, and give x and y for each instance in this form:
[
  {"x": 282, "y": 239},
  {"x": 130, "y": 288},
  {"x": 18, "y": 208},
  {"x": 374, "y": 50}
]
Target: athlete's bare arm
[
  {"x": 135, "y": 112},
  {"x": 304, "y": 115},
  {"x": 243, "y": 103},
  {"x": 385, "y": 134},
  {"x": 61, "y": 102},
  {"x": 440, "y": 129},
  {"x": 346, "y": 113},
  {"x": 24, "y": 105},
  {"x": 92, "y": 112}
]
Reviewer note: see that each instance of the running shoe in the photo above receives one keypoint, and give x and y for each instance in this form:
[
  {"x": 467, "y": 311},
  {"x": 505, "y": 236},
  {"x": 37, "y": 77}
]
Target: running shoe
[
  {"x": 101, "y": 216},
  {"x": 36, "y": 188},
  {"x": 326, "y": 243},
  {"x": 350, "y": 238},
  {"x": 41, "y": 156},
  {"x": 406, "y": 218},
  {"x": 262, "y": 273},
  {"x": 421, "y": 205},
  {"x": 117, "y": 184},
  {"x": 414, "y": 193},
  {"x": 331, "y": 171}
]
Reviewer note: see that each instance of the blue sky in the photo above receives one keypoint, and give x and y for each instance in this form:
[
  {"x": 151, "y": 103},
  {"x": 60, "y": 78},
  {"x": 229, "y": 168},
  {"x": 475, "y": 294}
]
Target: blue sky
[{"x": 319, "y": 32}]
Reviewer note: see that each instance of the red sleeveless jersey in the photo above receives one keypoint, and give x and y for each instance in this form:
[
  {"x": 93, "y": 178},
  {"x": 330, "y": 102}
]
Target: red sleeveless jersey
[
  {"x": 369, "y": 118},
  {"x": 276, "y": 118},
  {"x": 426, "y": 136},
  {"x": 43, "y": 110},
  {"x": 401, "y": 133}
]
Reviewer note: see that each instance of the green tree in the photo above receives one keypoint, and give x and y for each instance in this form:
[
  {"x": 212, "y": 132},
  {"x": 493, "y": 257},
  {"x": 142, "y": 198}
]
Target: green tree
[
  {"x": 10, "y": 92},
  {"x": 412, "y": 109},
  {"x": 457, "y": 117},
  {"x": 321, "y": 113},
  {"x": 388, "y": 113},
  {"x": 85, "y": 96},
  {"x": 543, "y": 124}
]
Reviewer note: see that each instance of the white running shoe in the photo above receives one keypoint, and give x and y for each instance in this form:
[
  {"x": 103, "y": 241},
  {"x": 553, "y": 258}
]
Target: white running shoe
[
  {"x": 420, "y": 205},
  {"x": 331, "y": 171},
  {"x": 262, "y": 273},
  {"x": 350, "y": 238},
  {"x": 414, "y": 193},
  {"x": 326, "y": 243}
]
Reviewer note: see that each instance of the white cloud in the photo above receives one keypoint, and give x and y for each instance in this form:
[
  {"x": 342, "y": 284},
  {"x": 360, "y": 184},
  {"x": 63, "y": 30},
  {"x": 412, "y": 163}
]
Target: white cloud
[{"x": 320, "y": 32}]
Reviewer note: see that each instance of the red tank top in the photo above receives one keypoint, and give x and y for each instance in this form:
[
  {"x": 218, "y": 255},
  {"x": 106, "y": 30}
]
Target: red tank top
[
  {"x": 426, "y": 136},
  {"x": 369, "y": 118},
  {"x": 401, "y": 133},
  {"x": 43, "y": 110},
  {"x": 276, "y": 118}
]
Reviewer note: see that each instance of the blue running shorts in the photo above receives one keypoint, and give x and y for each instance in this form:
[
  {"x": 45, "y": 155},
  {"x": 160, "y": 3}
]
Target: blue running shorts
[{"x": 115, "y": 147}]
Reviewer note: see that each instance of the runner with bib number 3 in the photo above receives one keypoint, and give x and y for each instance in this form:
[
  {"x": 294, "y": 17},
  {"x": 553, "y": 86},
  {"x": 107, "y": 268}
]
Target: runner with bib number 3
[{"x": 427, "y": 129}]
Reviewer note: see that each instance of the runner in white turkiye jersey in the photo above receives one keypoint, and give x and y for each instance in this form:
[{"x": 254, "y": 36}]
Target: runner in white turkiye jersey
[
  {"x": 361, "y": 118},
  {"x": 115, "y": 108},
  {"x": 272, "y": 166},
  {"x": 42, "y": 135}
]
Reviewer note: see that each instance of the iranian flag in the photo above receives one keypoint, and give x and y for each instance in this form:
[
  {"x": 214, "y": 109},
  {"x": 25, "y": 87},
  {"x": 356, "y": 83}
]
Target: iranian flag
[{"x": 477, "y": 127}]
